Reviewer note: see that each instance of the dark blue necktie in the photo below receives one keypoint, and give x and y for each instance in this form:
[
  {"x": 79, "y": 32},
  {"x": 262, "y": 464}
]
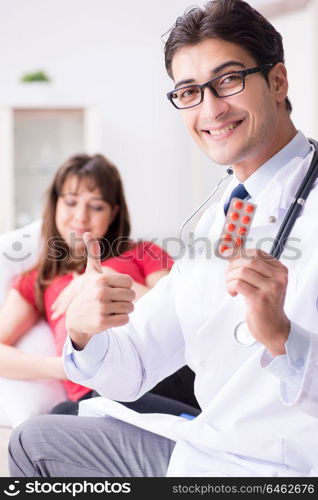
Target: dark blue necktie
[{"x": 238, "y": 192}]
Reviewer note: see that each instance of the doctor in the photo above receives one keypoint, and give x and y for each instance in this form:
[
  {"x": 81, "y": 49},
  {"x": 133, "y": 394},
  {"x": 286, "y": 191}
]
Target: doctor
[{"x": 259, "y": 404}]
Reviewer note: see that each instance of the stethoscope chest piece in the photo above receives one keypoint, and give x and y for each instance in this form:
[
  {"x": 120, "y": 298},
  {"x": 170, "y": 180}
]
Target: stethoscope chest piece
[{"x": 243, "y": 336}]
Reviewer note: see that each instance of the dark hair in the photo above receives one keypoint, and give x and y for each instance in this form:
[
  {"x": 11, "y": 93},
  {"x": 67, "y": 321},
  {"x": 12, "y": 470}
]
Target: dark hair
[
  {"x": 230, "y": 20},
  {"x": 98, "y": 172}
]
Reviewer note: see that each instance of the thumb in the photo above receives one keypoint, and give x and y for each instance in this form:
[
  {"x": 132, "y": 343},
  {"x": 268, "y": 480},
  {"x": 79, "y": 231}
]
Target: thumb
[{"x": 93, "y": 253}]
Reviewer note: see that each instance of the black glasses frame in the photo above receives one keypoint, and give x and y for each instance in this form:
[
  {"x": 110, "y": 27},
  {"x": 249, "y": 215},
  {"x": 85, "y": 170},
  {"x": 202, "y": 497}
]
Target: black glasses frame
[{"x": 209, "y": 84}]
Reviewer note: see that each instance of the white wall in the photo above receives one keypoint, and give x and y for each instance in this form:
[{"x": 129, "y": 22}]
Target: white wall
[
  {"x": 299, "y": 30},
  {"x": 110, "y": 53}
]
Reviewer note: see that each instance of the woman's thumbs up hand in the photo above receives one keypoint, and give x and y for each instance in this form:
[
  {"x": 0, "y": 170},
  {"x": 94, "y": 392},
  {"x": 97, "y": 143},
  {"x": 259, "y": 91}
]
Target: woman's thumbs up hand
[{"x": 103, "y": 301}]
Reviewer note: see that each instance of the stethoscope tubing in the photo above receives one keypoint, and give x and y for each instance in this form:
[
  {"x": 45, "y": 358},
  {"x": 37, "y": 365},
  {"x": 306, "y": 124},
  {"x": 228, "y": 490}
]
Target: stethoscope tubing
[
  {"x": 285, "y": 229},
  {"x": 228, "y": 174},
  {"x": 294, "y": 209}
]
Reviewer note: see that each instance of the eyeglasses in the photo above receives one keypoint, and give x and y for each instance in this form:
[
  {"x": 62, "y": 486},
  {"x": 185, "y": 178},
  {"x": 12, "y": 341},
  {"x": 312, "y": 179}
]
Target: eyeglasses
[{"x": 222, "y": 86}]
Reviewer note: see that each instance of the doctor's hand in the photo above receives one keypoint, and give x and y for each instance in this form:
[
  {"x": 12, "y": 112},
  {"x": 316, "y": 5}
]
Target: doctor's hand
[
  {"x": 103, "y": 300},
  {"x": 66, "y": 296},
  {"x": 262, "y": 280}
]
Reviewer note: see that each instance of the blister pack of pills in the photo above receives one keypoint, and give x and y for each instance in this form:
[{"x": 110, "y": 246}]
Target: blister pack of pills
[{"x": 236, "y": 226}]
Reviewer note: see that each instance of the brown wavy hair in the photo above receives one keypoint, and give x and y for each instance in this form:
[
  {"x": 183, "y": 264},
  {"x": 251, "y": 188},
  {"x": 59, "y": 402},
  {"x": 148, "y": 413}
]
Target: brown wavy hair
[
  {"x": 233, "y": 21},
  {"x": 56, "y": 257}
]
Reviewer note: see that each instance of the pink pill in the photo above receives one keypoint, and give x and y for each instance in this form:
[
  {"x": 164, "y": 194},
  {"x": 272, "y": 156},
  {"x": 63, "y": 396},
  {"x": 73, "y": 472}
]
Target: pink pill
[
  {"x": 222, "y": 248},
  {"x": 230, "y": 227},
  {"x": 249, "y": 209},
  {"x": 238, "y": 205},
  {"x": 246, "y": 219},
  {"x": 234, "y": 215}
]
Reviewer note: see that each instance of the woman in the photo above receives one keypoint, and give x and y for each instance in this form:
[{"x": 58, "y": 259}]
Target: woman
[{"x": 85, "y": 195}]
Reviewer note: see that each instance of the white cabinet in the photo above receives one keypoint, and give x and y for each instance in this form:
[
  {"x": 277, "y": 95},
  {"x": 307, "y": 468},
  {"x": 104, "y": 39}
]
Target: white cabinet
[{"x": 34, "y": 142}]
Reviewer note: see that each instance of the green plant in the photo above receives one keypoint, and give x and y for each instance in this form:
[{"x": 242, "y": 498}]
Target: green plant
[{"x": 37, "y": 76}]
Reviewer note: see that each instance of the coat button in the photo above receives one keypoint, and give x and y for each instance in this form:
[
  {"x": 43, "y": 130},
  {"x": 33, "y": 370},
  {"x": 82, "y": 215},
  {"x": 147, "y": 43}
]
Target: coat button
[{"x": 272, "y": 219}]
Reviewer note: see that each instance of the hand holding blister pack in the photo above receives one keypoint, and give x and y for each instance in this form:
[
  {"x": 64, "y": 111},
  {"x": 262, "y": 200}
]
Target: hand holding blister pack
[
  {"x": 233, "y": 237},
  {"x": 236, "y": 227}
]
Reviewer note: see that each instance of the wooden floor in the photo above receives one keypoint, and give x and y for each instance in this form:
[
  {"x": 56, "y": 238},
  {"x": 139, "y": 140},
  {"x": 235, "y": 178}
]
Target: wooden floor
[{"x": 5, "y": 433}]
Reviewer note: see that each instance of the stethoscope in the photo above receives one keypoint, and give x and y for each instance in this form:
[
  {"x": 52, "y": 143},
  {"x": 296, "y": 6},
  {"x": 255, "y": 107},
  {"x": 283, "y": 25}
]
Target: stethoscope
[{"x": 241, "y": 333}]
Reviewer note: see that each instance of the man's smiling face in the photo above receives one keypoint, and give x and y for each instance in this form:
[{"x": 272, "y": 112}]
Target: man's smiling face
[{"x": 236, "y": 130}]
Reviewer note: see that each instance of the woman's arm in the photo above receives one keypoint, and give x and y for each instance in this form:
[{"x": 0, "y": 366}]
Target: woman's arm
[
  {"x": 152, "y": 278},
  {"x": 17, "y": 316},
  {"x": 21, "y": 365}
]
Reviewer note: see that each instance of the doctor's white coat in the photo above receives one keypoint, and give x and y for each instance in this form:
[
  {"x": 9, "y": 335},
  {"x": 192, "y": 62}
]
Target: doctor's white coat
[{"x": 251, "y": 423}]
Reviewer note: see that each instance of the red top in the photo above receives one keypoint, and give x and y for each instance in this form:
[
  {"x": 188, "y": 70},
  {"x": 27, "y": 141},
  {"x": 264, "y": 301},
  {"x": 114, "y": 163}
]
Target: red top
[{"x": 138, "y": 262}]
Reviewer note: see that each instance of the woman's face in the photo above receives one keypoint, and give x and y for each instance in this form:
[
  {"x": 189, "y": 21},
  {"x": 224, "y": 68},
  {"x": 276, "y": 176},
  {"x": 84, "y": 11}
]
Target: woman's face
[{"x": 79, "y": 210}]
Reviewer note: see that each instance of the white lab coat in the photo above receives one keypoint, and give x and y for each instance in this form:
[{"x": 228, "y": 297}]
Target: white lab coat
[{"x": 245, "y": 428}]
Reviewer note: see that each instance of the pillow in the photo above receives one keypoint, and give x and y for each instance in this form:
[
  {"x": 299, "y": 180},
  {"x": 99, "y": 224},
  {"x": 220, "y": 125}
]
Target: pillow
[
  {"x": 21, "y": 399},
  {"x": 19, "y": 251}
]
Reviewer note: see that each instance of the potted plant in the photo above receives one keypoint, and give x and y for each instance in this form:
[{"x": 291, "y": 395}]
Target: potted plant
[
  {"x": 37, "y": 76},
  {"x": 35, "y": 86}
]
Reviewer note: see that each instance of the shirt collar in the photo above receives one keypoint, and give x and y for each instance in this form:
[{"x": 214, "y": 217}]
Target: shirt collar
[{"x": 298, "y": 146}]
